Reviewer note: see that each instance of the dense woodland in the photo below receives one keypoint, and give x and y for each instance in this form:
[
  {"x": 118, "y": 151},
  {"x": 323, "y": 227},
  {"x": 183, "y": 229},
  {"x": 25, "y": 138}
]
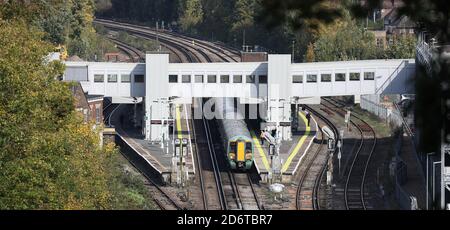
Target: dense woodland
[
  {"x": 49, "y": 158},
  {"x": 229, "y": 21}
]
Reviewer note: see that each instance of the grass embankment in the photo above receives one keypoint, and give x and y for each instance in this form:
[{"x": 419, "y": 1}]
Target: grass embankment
[
  {"x": 137, "y": 42},
  {"x": 128, "y": 187}
]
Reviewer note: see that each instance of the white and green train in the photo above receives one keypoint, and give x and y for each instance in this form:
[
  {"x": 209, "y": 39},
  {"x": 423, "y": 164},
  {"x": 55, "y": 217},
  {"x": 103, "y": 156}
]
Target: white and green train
[{"x": 237, "y": 140}]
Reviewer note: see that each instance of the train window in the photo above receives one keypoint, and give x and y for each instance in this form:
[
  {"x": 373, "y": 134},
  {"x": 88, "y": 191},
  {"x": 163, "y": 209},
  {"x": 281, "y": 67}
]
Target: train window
[
  {"x": 233, "y": 147},
  {"x": 250, "y": 79},
  {"x": 99, "y": 78},
  {"x": 354, "y": 76},
  {"x": 297, "y": 79},
  {"x": 198, "y": 78},
  {"x": 139, "y": 78},
  {"x": 369, "y": 76},
  {"x": 125, "y": 78},
  {"x": 339, "y": 77},
  {"x": 186, "y": 78},
  {"x": 262, "y": 79},
  {"x": 173, "y": 78},
  {"x": 237, "y": 79},
  {"x": 224, "y": 78},
  {"x": 212, "y": 79},
  {"x": 248, "y": 146},
  {"x": 311, "y": 78},
  {"x": 325, "y": 77}
]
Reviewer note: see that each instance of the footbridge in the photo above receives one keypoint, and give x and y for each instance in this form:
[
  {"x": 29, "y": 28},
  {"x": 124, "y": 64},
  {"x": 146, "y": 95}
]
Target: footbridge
[{"x": 273, "y": 85}]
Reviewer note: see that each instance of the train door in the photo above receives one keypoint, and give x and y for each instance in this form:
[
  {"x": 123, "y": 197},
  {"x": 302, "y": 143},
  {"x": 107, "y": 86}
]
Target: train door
[
  {"x": 241, "y": 151},
  {"x": 248, "y": 151},
  {"x": 232, "y": 151}
]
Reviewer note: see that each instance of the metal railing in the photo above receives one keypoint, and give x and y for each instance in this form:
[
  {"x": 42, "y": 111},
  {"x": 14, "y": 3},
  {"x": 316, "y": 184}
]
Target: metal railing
[
  {"x": 371, "y": 104},
  {"x": 402, "y": 197},
  {"x": 389, "y": 79}
]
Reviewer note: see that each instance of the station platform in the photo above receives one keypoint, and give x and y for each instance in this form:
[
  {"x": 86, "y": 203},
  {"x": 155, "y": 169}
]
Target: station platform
[
  {"x": 161, "y": 158},
  {"x": 291, "y": 152}
]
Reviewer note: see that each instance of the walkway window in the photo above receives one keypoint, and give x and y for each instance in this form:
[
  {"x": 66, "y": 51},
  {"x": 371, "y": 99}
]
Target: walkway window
[
  {"x": 237, "y": 79},
  {"x": 297, "y": 79},
  {"x": 198, "y": 78},
  {"x": 325, "y": 77},
  {"x": 369, "y": 76},
  {"x": 250, "y": 79},
  {"x": 262, "y": 79},
  {"x": 125, "y": 78},
  {"x": 224, "y": 78},
  {"x": 339, "y": 77},
  {"x": 99, "y": 78},
  {"x": 212, "y": 79},
  {"x": 112, "y": 77},
  {"x": 186, "y": 78},
  {"x": 139, "y": 78},
  {"x": 173, "y": 78},
  {"x": 311, "y": 78},
  {"x": 354, "y": 76}
]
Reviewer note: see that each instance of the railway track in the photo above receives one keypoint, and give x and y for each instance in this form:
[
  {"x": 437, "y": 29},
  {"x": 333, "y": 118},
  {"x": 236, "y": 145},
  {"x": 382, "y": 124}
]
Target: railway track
[
  {"x": 223, "y": 189},
  {"x": 135, "y": 54},
  {"x": 108, "y": 111},
  {"x": 235, "y": 189},
  {"x": 308, "y": 189},
  {"x": 209, "y": 181},
  {"x": 202, "y": 50},
  {"x": 162, "y": 199},
  {"x": 354, "y": 194}
]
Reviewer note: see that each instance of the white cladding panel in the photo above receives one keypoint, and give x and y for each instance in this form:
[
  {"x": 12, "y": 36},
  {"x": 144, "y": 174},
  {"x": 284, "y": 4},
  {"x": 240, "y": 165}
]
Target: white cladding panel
[
  {"x": 195, "y": 88},
  {"x": 389, "y": 77},
  {"x": 395, "y": 73},
  {"x": 279, "y": 72},
  {"x": 112, "y": 89}
]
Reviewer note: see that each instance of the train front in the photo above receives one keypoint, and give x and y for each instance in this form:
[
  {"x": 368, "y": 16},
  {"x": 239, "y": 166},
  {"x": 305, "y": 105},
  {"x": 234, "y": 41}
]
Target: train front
[{"x": 240, "y": 154}]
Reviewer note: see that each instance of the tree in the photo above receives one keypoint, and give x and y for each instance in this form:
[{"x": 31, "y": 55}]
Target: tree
[
  {"x": 191, "y": 15},
  {"x": 345, "y": 42},
  {"x": 49, "y": 159},
  {"x": 404, "y": 46},
  {"x": 310, "y": 56},
  {"x": 244, "y": 15}
]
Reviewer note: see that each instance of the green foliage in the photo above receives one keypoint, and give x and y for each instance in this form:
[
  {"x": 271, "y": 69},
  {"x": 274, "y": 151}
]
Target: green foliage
[
  {"x": 191, "y": 15},
  {"x": 348, "y": 42},
  {"x": 139, "y": 43},
  {"x": 404, "y": 46},
  {"x": 244, "y": 15},
  {"x": 65, "y": 22},
  {"x": 49, "y": 159},
  {"x": 127, "y": 186}
]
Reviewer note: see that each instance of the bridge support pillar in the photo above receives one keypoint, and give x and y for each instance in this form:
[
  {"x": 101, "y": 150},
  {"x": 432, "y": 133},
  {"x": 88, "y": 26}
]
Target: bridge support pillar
[
  {"x": 157, "y": 104},
  {"x": 357, "y": 99},
  {"x": 278, "y": 99}
]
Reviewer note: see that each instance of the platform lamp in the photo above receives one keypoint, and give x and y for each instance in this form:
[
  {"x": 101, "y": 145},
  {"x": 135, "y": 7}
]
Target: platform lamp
[{"x": 184, "y": 143}]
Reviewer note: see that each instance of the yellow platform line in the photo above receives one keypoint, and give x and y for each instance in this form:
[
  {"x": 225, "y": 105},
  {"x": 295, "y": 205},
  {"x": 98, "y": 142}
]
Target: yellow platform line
[
  {"x": 261, "y": 151},
  {"x": 178, "y": 121},
  {"x": 299, "y": 144}
]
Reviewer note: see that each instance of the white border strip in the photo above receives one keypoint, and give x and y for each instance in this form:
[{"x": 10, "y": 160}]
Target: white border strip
[
  {"x": 123, "y": 139},
  {"x": 190, "y": 139},
  {"x": 307, "y": 148}
]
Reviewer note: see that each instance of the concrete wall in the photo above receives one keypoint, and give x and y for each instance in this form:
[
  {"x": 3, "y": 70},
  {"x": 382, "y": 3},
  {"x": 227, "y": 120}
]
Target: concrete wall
[{"x": 157, "y": 96}]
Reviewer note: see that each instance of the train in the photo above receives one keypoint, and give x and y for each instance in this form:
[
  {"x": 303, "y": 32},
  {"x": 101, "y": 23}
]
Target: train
[{"x": 237, "y": 141}]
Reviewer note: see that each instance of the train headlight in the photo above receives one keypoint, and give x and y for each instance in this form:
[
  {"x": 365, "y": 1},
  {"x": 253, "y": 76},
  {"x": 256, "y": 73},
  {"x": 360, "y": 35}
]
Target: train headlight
[
  {"x": 248, "y": 156},
  {"x": 232, "y": 156}
]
